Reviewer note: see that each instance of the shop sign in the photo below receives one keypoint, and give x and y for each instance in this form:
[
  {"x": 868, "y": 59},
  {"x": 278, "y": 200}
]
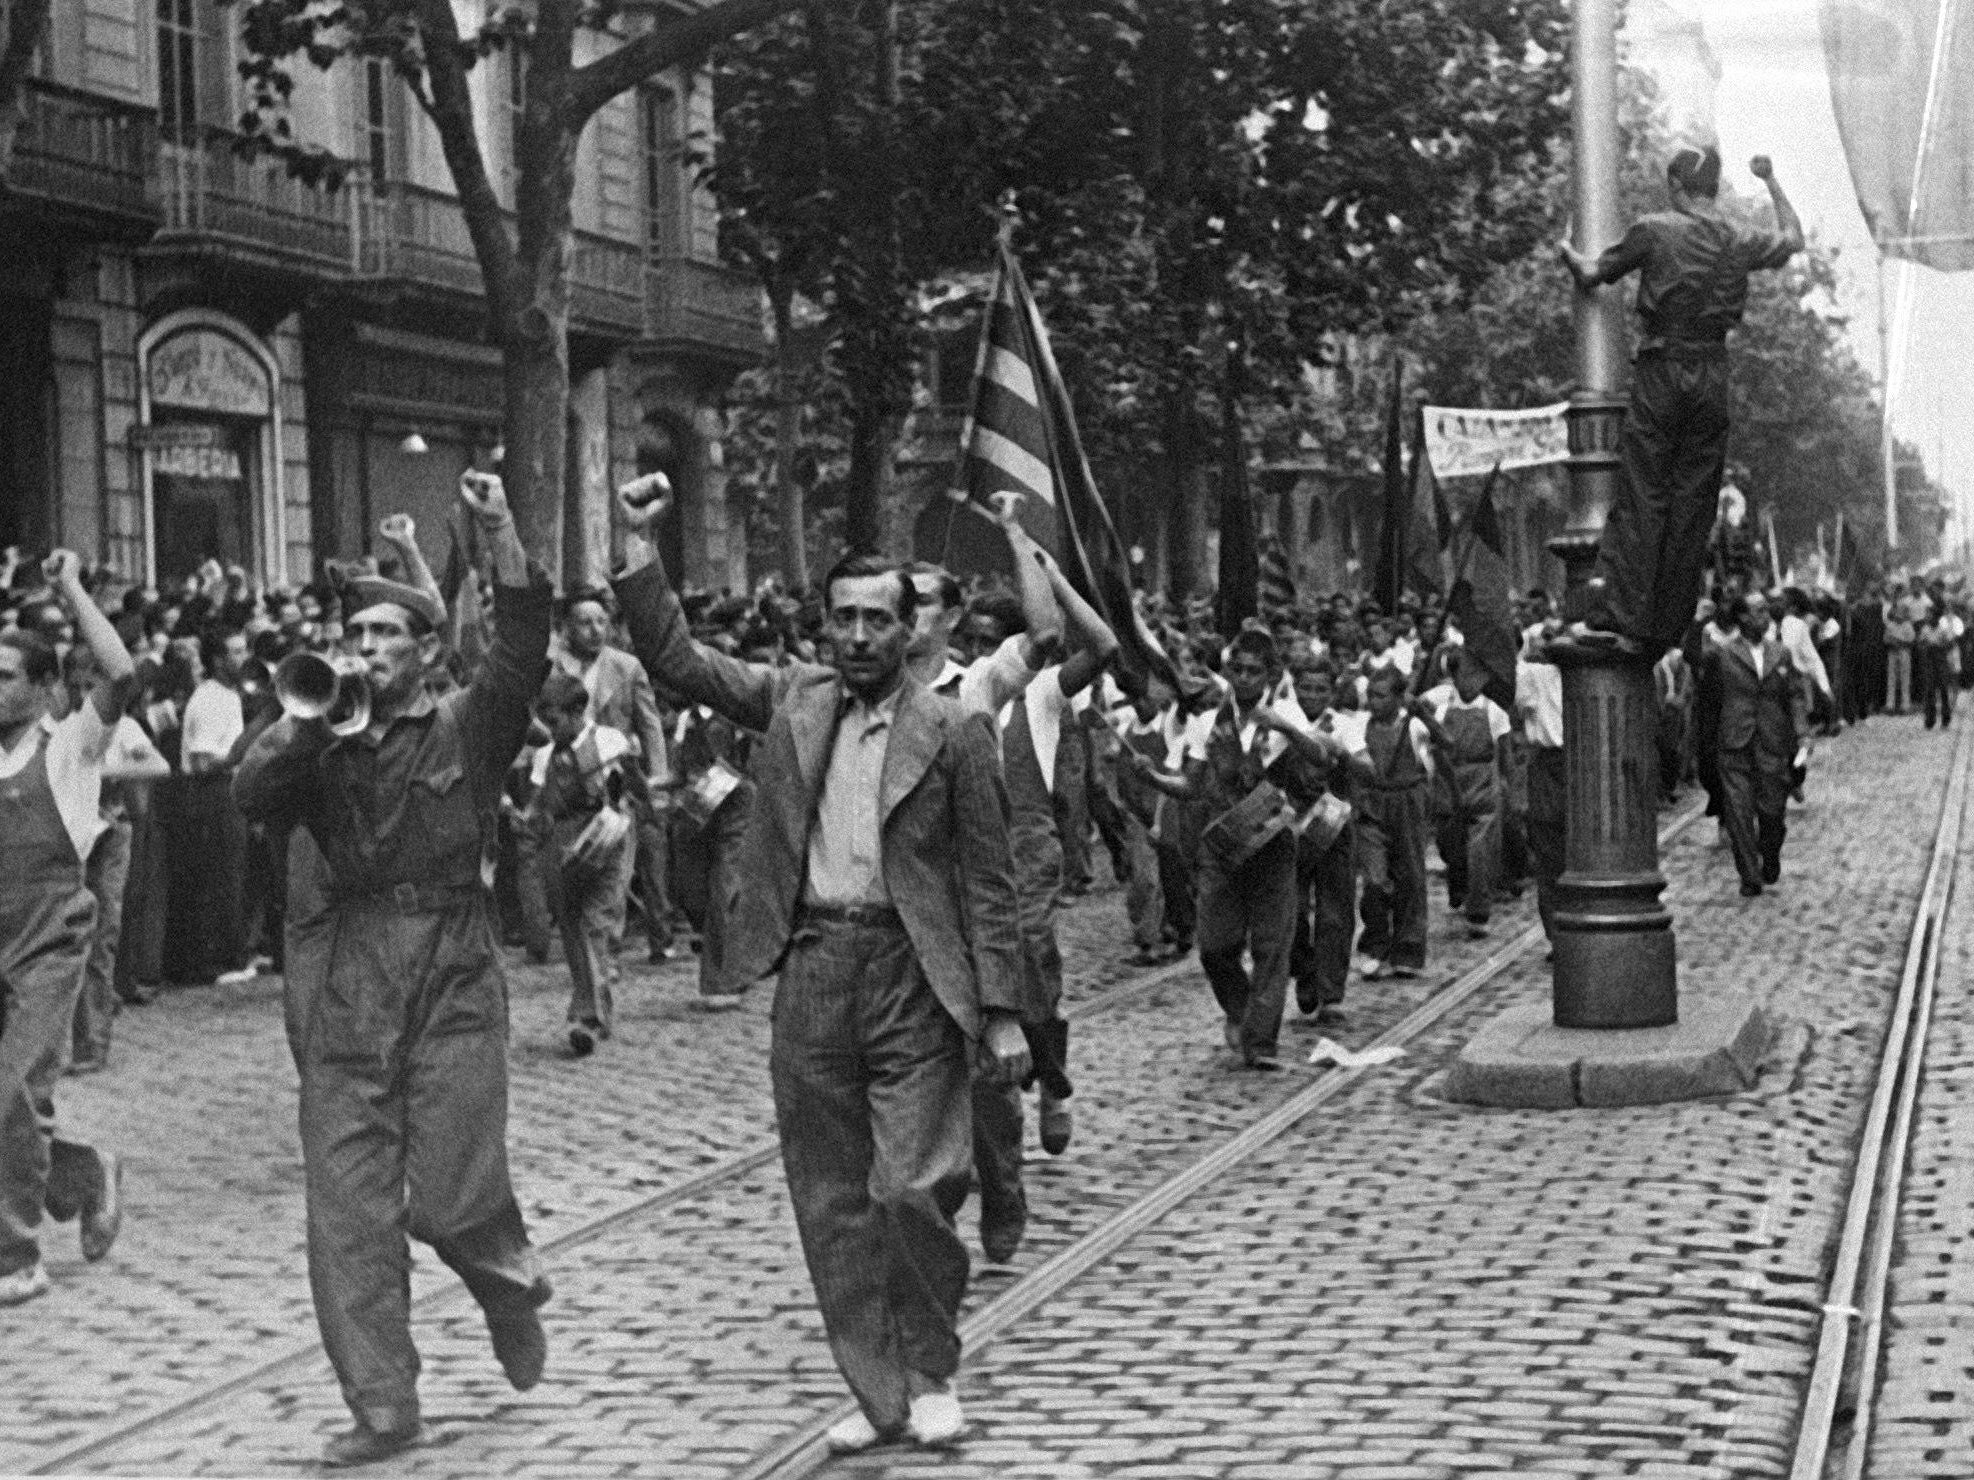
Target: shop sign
[
  {"x": 197, "y": 462},
  {"x": 206, "y": 371},
  {"x": 176, "y": 434}
]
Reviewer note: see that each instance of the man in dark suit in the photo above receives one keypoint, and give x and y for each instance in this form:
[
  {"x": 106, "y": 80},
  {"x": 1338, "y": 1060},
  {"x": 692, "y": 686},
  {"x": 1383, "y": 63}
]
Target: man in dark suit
[
  {"x": 1760, "y": 733},
  {"x": 880, "y": 885}
]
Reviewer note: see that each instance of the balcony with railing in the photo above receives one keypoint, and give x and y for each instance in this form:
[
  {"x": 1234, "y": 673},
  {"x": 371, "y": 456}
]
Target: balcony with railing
[
  {"x": 416, "y": 236},
  {"x": 85, "y": 153},
  {"x": 695, "y": 307},
  {"x": 218, "y": 203}
]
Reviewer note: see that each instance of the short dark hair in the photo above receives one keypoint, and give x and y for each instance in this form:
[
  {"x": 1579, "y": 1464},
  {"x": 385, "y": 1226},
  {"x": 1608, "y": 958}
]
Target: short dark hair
[
  {"x": 1256, "y": 641},
  {"x": 41, "y": 660},
  {"x": 567, "y": 605},
  {"x": 561, "y": 691},
  {"x": 950, "y": 594},
  {"x": 857, "y": 567},
  {"x": 1696, "y": 171},
  {"x": 1002, "y": 607}
]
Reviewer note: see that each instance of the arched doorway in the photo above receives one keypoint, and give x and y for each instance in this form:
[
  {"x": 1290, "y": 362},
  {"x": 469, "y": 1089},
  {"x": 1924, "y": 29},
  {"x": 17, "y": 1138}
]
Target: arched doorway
[{"x": 209, "y": 397}]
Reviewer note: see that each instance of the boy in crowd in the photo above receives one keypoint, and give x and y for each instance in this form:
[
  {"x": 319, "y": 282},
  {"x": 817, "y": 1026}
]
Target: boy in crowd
[
  {"x": 1476, "y": 731},
  {"x": 576, "y": 782},
  {"x": 1393, "y": 773}
]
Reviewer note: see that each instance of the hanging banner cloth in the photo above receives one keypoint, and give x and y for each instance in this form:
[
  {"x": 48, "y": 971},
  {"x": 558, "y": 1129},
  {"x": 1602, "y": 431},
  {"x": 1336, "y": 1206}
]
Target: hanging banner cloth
[
  {"x": 1472, "y": 444},
  {"x": 1902, "y": 85}
]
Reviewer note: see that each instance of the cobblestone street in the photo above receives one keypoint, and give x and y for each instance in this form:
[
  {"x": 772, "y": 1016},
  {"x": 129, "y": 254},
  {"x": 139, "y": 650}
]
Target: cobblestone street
[{"x": 1398, "y": 1288}]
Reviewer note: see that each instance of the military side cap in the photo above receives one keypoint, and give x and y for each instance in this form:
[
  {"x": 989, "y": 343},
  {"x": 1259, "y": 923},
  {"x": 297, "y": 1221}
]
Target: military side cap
[{"x": 365, "y": 591}]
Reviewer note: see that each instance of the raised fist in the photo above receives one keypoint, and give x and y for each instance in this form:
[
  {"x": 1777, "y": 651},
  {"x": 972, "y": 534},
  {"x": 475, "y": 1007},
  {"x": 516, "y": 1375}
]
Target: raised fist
[
  {"x": 1763, "y": 167},
  {"x": 484, "y": 494},
  {"x": 61, "y": 568},
  {"x": 643, "y": 501},
  {"x": 398, "y": 529}
]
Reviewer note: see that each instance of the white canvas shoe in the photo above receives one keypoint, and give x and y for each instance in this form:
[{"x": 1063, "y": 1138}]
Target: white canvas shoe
[
  {"x": 936, "y": 1419},
  {"x": 23, "y": 1284}
]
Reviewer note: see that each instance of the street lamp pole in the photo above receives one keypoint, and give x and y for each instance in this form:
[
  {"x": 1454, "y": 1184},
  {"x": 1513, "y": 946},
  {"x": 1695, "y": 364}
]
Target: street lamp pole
[{"x": 1615, "y": 961}]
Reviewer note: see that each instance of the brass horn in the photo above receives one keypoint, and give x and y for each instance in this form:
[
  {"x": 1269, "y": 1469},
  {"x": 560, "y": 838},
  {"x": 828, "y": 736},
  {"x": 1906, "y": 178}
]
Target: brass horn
[{"x": 334, "y": 689}]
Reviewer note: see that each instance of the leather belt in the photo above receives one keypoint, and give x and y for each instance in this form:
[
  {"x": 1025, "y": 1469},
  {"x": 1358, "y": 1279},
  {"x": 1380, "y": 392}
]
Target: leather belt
[
  {"x": 408, "y": 897},
  {"x": 866, "y": 916}
]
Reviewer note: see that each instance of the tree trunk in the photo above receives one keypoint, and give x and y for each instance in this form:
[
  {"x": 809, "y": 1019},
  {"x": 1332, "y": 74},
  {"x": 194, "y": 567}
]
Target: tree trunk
[
  {"x": 873, "y": 434},
  {"x": 535, "y": 372},
  {"x": 1184, "y": 469},
  {"x": 788, "y": 442}
]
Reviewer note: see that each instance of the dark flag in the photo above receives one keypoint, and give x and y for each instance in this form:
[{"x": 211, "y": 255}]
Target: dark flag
[
  {"x": 1479, "y": 604},
  {"x": 1021, "y": 435},
  {"x": 1240, "y": 562},
  {"x": 1388, "y": 583},
  {"x": 1429, "y": 522},
  {"x": 1846, "y": 570},
  {"x": 1277, "y": 592}
]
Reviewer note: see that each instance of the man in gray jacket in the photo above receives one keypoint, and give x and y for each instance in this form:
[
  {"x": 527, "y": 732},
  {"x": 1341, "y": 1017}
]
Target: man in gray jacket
[{"x": 878, "y": 882}]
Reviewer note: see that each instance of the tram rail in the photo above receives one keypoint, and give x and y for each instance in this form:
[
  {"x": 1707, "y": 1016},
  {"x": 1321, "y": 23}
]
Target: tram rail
[{"x": 1834, "y": 1434}]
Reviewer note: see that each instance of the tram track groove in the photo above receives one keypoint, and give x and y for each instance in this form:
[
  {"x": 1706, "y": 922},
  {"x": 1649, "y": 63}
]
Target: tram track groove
[
  {"x": 799, "y": 1454},
  {"x": 806, "y": 1450},
  {"x": 735, "y": 1167},
  {"x": 1842, "y": 1391}
]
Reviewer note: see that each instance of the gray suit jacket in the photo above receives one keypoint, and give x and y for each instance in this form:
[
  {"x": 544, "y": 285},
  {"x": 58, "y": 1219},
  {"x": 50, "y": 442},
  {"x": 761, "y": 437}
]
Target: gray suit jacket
[
  {"x": 624, "y": 699},
  {"x": 942, "y": 810},
  {"x": 1770, "y": 713}
]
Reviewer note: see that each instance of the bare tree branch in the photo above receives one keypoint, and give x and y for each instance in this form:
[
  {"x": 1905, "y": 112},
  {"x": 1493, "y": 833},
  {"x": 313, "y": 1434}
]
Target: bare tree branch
[
  {"x": 26, "y": 21},
  {"x": 669, "y": 42},
  {"x": 451, "y": 111}
]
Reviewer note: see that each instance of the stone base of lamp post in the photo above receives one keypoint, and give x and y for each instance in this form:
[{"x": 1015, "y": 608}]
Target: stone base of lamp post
[{"x": 1613, "y": 1032}]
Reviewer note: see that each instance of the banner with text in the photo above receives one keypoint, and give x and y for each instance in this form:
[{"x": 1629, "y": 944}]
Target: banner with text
[{"x": 1471, "y": 444}]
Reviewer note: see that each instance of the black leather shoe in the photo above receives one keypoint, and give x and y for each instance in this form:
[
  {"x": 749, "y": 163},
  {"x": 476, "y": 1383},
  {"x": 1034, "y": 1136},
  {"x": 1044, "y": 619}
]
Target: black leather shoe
[
  {"x": 363, "y": 1445},
  {"x": 519, "y": 1341},
  {"x": 101, "y": 1213},
  {"x": 1749, "y": 888}
]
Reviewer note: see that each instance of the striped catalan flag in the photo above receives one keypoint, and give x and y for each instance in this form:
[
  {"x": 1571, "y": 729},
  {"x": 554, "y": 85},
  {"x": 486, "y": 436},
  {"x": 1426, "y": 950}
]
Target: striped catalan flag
[{"x": 1021, "y": 435}]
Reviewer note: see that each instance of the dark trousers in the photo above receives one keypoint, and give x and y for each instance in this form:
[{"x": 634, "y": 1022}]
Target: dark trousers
[
  {"x": 1653, "y": 552},
  {"x": 1934, "y": 684},
  {"x": 706, "y": 882},
  {"x": 1754, "y": 803},
  {"x": 873, "y": 1091},
  {"x": 206, "y": 850},
  {"x": 1072, "y": 804},
  {"x": 1326, "y": 906},
  {"x": 1391, "y": 861},
  {"x": 1548, "y": 807},
  {"x": 140, "y": 961},
  {"x": 404, "y": 1132},
  {"x": 1469, "y": 842},
  {"x": 588, "y": 901},
  {"x": 1178, "y": 882},
  {"x": 96, "y": 1007},
  {"x": 1249, "y": 907},
  {"x": 44, "y": 948}
]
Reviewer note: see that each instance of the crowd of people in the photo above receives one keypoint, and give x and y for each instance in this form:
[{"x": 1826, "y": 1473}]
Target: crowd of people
[{"x": 717, "y": 774}]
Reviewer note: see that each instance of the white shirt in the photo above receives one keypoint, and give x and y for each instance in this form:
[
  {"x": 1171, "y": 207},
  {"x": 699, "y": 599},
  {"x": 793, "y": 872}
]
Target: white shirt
[
  {"x": 1445, "y": 698},
  {"x": 846, "y": 861},
  {"x": 213, "y": 720},
  {"x": 1539, "y": 696},
  {"x": 1796, "y": 638},
  {"x": 76, "y": 747}
]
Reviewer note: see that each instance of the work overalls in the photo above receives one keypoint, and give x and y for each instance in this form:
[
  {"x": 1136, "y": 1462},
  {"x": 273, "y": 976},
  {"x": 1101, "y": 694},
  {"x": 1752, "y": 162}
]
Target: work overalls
[
  {"x": 1470, "y": 822},
  {"x": 1391, "y": 847},
  {"x": 47, "y": 920}
]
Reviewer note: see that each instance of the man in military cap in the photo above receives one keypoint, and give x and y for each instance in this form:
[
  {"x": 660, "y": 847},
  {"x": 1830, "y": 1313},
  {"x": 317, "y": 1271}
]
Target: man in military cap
[
  {"x": 1693, "y": 264},
  {"x": 401, "y": 1023}
]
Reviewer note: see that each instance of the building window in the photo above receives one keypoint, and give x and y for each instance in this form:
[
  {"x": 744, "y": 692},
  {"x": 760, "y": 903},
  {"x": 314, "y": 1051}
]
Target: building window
[
  {"x": 178, "y": 71},
  {"x": 377, "y": 118},
  {"x": 664, "y": 171}
]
